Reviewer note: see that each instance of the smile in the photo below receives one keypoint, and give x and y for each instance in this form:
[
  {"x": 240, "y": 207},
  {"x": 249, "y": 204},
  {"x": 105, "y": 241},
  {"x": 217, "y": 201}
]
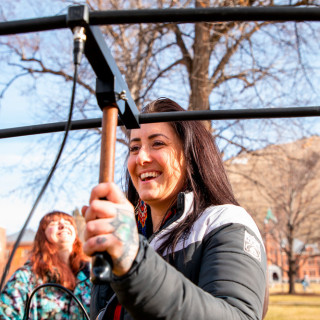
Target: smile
[
  {"x": 64, "y": 232},
  {"x": 149, "y": 175}
]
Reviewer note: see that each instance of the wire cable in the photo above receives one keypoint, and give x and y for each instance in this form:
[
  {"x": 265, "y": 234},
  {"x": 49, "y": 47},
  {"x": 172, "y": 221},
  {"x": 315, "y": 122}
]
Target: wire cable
[
  {"x": 27, "y": 308},
  {"x": 68, "y": 126}
]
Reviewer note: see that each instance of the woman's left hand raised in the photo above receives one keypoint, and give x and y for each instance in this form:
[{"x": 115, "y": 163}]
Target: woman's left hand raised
[{"x": 111, "y": 227}]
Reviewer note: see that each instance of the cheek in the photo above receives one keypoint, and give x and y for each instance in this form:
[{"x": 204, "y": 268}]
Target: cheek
[
  {"x": 73, "y": 239},
  {"x": 74, "y": 233},
  {"x": 178, "y": 170},
  {"x": 177, "y": 173},
  {"x": 175, "y": 163},
  {"x": 49, "y": 234},
  {"x": 131, "y": 166}
]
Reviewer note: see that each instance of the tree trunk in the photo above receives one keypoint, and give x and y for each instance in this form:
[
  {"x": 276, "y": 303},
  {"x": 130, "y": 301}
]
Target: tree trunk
[
  {"x": 291, "y": 262},
  {"x": 199, "y": 95},
  {"x": 291, "y": 275}
]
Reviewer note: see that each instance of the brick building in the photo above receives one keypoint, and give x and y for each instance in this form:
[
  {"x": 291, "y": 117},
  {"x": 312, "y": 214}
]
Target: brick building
[
  {"x": 285, "y": 178},
  {"x": 3, "y": 246},
  {"x": 308, "y": 262},
  {"x": 22, "y": 252}
]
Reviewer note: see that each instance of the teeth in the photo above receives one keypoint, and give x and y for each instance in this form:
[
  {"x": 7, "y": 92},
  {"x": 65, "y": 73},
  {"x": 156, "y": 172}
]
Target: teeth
[
  {"x": 65, "y": 231},
  {"x": 151, "y": 174}
]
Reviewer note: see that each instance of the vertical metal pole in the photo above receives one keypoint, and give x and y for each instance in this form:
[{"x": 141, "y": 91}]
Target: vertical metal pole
[
  {"x": 108, "y": 143},
  {"x": 101, "y": 261}
]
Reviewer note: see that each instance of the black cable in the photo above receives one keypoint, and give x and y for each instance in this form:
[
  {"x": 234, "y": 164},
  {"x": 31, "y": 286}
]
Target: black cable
[
  {"x": 77, "y": 60},
  {"x": 44, "y": 186},
  {"x": 28, "y": 302}
]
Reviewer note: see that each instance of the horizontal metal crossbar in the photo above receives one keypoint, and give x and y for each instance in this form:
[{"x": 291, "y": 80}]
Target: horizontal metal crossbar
[
  {"x": 187, "y": 15},
  {"x": 169, "y": 116}
]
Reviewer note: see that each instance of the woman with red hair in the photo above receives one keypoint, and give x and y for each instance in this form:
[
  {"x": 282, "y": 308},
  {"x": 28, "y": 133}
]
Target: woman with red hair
[{"x": 56, "y": 257}]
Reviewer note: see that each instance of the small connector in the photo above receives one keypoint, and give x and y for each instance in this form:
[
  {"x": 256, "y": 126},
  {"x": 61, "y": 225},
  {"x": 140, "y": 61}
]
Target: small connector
[
  {"x": 77, "y": 20},
  {"x": 79, "y": 39}
]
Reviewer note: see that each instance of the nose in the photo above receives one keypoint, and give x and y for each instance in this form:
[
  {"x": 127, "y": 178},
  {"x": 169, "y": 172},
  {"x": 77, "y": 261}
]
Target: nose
[
  {"x": 143, "y": 156},
  {"x": 61, "y": 224}
]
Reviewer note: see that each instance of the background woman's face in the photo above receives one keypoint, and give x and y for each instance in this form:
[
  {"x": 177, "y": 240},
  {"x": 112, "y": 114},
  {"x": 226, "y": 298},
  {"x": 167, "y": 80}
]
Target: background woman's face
[
  {"x": 156, "y": 163},
  {"x": 61, "y": 232}
]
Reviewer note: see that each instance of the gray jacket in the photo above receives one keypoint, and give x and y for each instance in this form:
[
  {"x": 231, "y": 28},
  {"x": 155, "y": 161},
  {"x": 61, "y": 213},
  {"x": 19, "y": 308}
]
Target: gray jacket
[{"x": 218, "y": 272}]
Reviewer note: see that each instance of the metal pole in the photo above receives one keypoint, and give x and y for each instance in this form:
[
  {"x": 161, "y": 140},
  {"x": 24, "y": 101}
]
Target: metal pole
[
  {"x": 186, "y": 15},
  {"x": 245, "y": 114},
  {"x": 108, "y": 143}
]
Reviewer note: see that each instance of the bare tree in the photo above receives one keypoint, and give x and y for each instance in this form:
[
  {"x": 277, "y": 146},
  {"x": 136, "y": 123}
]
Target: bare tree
[
  {"x": 213, "y": 65},
  {"x": 204, "y": 65},
  {"x": 284, "y": 178}
]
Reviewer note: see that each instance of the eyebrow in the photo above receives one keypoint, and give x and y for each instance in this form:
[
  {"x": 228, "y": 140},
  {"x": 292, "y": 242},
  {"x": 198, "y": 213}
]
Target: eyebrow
[{"x": 152, "y": 136}]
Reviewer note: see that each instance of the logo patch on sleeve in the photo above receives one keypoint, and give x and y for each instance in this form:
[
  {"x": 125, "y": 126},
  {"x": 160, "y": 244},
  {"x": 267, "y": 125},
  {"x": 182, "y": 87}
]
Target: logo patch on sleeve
[{"x": 252, "y": 246}]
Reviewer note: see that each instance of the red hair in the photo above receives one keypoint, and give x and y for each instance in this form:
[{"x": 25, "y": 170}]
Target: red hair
[{"x": 46, "y": 263}]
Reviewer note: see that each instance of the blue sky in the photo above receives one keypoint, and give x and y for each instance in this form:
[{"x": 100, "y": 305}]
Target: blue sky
[
  {"x": 21, "y": 156},
  {"x": 24, "y": 157},
  {"x": 15, "y": 111},
  {"x": 17, "y": 155}
]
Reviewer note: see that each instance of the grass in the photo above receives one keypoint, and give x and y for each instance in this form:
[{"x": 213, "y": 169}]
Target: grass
[
  {"x": 300, "y": 306},
  {"x": 314, "y": 288}
]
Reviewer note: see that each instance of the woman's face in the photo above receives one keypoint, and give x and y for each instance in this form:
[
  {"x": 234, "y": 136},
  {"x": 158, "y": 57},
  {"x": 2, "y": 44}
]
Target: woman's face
[
  {"x": 61, "y": 232},
  {"x": 156, "y": 164}
]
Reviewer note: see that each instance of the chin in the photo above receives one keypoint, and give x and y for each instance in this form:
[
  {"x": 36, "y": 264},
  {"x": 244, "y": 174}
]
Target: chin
[
  {"x": 148, "y": 193},
  {"x": 147, "y": 199}
]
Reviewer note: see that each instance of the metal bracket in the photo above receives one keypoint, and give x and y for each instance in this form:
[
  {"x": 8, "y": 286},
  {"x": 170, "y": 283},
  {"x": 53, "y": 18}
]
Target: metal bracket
[
  {"x": 110, "y": 85},
  {"x": 78, "y": 16}
]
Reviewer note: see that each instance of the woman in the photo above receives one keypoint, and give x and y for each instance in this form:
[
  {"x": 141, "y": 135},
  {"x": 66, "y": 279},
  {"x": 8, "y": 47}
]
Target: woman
[
  {"x": 214, "y": 264},
  {"x": 56, "y": 257}
]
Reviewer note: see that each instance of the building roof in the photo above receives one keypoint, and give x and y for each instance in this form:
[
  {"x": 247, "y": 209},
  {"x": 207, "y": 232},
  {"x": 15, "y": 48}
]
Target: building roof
[{"x": 28, "y": 236}]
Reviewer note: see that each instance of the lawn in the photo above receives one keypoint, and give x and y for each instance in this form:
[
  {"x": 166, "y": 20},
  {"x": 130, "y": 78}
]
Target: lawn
[{"x": 301, "y": 306}]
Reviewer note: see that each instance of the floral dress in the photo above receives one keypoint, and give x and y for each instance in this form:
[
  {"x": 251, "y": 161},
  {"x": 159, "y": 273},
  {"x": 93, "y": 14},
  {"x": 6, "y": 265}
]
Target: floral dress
[{"x": 48, "y": 302}]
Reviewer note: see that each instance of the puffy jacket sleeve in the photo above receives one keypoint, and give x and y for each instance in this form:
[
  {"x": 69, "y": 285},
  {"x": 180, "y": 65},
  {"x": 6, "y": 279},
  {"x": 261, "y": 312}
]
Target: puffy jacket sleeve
[
  {"x": 14, "y": 296},
  {"x": 232, "y": 281}
]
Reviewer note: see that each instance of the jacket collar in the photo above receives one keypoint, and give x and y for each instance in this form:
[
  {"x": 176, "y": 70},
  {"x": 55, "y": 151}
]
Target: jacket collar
[{"x": 184, "y": 206}]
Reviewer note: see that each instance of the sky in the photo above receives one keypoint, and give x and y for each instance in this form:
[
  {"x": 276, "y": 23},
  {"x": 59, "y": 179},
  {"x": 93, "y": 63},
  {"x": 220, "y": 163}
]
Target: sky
[
  {"x": 21, "y": 156},
  {"x": 15, "y": 155}
]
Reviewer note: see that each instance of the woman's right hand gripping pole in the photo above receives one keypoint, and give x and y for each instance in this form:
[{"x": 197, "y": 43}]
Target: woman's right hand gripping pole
[{"x": 111, "y": 227}]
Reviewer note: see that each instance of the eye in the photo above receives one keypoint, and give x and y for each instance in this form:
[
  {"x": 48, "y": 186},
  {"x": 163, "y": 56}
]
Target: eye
[
  {"x": 134, "y": 149},
  {"x": 158, "y": 143}
]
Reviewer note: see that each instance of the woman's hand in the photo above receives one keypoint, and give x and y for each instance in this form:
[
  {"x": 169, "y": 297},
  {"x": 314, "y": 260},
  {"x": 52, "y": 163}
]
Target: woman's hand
[{"x": 111, "y": 227}]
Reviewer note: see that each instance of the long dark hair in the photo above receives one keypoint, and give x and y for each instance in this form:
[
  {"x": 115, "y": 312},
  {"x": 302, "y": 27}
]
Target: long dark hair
[{"x": 206, "y": 176}]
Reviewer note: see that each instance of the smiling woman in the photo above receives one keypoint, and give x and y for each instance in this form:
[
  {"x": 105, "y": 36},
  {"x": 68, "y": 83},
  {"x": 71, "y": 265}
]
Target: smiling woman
[
  {"x": 56, "y": 257},
  {"x": 62, "y": 233},
  {"x": 156, "y": 165},
  {"x": 181, "y": 246}
]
